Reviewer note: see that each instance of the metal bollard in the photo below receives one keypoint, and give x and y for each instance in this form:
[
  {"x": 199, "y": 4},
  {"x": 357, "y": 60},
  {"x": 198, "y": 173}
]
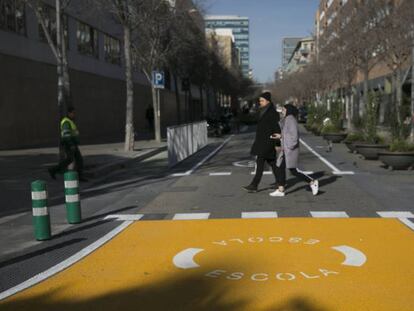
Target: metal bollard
[
  {"x": 41, "y": 219},
  {"x": 72, "y": 200}
]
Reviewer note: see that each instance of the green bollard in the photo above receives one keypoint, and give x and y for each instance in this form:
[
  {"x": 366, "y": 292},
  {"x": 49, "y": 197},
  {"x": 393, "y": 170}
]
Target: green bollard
[
  {"x": 41, "y": 219},
  {"x": 73, "y": 207}
]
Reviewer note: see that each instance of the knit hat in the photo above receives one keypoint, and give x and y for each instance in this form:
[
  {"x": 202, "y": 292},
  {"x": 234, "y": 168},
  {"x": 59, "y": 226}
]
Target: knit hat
[{"x": 267, "y": 96}]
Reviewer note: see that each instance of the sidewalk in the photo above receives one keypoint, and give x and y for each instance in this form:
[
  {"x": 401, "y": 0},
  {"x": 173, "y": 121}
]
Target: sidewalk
[{"x": 18, "y": 168}]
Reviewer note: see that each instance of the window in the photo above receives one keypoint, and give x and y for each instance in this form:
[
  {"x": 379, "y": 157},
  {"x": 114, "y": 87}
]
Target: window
[
  {"x": 49, "y": 17},
  {"x": 12, "y": 16},
  {"x": 112, "y": 48},
  {"x": 87, "y": 40}
]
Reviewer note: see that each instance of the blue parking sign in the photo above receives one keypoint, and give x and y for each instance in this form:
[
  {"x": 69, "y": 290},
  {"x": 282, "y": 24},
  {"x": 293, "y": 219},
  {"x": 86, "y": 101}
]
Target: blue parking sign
[{"x": 158, "y": 79}]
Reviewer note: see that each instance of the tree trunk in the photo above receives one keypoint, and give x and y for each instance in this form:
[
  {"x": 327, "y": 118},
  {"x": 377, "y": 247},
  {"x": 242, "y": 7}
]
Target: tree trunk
[
  {"x": 157, "y": 114},
  {"x": 190, "y": 104},
  {"x": 177, "y": 99},
  {"x": 61, "y": 96},
  {"x": 348, "y": 105},
  {"x": 366, "y": 92},
  {"x": 129, "y": 123},
  {"x": 412, "y": 97},
  {"x": 66, "y": 77},
  {"x": 201, "y": 102}
]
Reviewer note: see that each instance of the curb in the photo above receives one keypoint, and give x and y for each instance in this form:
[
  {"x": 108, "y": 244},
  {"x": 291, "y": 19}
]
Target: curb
[{"x": 103, "y": 170}]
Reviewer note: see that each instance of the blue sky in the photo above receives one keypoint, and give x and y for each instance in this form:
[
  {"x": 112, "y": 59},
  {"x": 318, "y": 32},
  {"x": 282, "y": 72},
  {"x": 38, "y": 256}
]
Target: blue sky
[{"x": 270, "y": 22}]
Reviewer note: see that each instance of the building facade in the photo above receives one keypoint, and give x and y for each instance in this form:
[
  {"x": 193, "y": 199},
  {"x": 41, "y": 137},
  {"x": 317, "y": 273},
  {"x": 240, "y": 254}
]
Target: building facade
[
  {"x": 288, "y": 47},
  {"x": 226, "y": 48},
  {"x": 240, "y": 28},
  {"x": 302, "y": 55},
  {"x": 28, "y": 81},
  {"x": 337, "y": 13}
]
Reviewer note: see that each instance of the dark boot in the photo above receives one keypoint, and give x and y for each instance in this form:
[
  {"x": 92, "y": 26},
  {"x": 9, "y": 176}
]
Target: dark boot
[{"x": 250, "y": 188}]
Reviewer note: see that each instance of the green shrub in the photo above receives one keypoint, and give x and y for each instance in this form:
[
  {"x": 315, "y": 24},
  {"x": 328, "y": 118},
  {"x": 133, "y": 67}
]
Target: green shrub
[
  {"x": 330, "y": 128},
  {"x": 353, "y": 137},
  {"x": 401, "y": 145},
  {"x": 371, "y": 119}
]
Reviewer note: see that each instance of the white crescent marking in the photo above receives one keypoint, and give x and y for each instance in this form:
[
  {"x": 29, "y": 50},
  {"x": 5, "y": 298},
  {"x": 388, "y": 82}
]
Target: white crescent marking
[
  {"x": 353, "y": 257},
  {"x": 185, "y": 258}
]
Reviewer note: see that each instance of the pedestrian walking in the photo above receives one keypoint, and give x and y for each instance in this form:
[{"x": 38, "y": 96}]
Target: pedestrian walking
[
  {"x": 289, "y": 155},
  {"x": 69, "y": 139},
  {"x": 264, "y": 147}
]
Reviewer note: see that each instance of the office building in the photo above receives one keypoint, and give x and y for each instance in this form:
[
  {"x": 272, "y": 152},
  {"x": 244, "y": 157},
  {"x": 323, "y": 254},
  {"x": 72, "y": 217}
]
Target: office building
[{"x": 240, "y": 28}]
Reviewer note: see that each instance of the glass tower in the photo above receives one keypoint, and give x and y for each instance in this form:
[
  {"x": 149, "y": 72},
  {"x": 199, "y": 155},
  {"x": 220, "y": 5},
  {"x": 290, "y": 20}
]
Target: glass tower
[{"x": 240, "y": 27}]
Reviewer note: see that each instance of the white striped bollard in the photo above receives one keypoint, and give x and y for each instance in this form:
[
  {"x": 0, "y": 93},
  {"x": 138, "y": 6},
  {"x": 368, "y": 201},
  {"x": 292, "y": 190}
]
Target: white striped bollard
[
  {"x": 41, "y": 219},
  {"x": 72, "y": 200}
]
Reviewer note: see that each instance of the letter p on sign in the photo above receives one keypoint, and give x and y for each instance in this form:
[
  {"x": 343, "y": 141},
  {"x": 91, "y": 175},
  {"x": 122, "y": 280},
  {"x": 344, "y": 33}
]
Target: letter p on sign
[{"x": 158, "y": 79}]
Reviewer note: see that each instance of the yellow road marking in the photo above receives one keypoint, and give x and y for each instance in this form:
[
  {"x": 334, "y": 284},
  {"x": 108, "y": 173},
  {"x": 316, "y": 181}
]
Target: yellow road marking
[{"x": 244, "y": 264}]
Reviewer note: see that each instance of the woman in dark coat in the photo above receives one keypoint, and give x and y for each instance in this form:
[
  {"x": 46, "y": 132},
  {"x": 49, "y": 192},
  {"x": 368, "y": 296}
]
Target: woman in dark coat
[
  {"x": 263, "y": 146},
  {"x": 288, "y": 157}
]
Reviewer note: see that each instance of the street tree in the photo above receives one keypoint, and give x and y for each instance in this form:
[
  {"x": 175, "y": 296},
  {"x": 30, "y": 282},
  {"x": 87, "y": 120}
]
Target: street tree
[
  {"x": 123, "y": 13},
  {"x": 362, "y": 36},
  {"x": 395, "y": 21},
  {"x": 53, "y": 24},
  {"x": 151, "y": 44}
]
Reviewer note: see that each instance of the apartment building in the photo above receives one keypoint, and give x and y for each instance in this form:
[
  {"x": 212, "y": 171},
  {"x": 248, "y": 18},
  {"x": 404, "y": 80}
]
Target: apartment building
[
  {"x": 302, "y": 55},
  {"x": 336, "y": 12}
]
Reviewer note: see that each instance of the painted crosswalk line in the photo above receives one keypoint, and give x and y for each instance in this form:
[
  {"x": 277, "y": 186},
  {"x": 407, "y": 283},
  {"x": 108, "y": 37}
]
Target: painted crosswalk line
[
  {"x": 249, "y": 215},
  {"x": 329, "y": 214},
  {"x": 191, "y": 216}
]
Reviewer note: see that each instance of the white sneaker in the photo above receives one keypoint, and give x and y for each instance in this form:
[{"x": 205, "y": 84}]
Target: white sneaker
[
  {"x": 277, "y": 193},
  {"x": 315, "y": 187}
]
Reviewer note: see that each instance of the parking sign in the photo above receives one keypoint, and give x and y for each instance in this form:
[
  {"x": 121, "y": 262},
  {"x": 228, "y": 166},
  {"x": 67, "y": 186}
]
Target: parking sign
[{"x": 158, "y": 79}]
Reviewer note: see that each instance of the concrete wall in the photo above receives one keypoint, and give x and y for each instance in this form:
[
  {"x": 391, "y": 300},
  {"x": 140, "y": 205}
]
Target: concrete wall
[{"x": 28, "y": 105}]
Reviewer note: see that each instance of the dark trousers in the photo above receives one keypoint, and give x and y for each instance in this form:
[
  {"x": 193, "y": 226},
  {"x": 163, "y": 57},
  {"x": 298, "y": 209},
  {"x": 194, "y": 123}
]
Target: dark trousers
[
  {"x": 260, "y": 162},
  {"x": 71, "y": 154},
  {"x": 281, "y": 174}
]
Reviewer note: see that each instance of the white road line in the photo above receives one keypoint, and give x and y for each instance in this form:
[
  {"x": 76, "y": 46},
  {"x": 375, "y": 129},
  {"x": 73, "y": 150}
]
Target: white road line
[
  {"x": 66, "y": 263},
  {"x": 264, "y": 173},
  {"x": 212, "y": 154},
  {"x": 335, "y": 170},
  {"x": 249, "y": 215},
  {"x": 191, "y": 216},
  {"x": 12, "y": 217},
  {"x": 401, "y": 216},
  {"x": 181, "y": 174},
  {"x": 407, "y": 222},
  {"x": 125, "y": 217},
  {"x": 329, "y": 214},
  {"x": 343, "y": 173},
  {"x": 305, "y": 172},
  {"x": 220, "y": 174},
  {"x": 396, "y": 214}
]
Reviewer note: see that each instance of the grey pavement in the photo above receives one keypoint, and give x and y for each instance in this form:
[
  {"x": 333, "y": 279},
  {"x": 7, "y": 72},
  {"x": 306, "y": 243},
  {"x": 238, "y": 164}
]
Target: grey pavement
[
  {"x": 149, "y": 188},
  {"x": 18, "y": 168}
]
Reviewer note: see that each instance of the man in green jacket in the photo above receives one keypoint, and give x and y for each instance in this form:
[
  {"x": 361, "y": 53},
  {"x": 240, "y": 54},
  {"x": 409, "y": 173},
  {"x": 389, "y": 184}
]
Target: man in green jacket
[{"x": 69, "y": 136}]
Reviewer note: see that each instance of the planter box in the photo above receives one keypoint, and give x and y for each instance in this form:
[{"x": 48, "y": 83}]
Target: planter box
[
  {"x": 370, "y": 151},
  {"x": 351, "y": 145},
  {"x": 335, "y": 137},
  {"x": 397, "y": 160}
]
